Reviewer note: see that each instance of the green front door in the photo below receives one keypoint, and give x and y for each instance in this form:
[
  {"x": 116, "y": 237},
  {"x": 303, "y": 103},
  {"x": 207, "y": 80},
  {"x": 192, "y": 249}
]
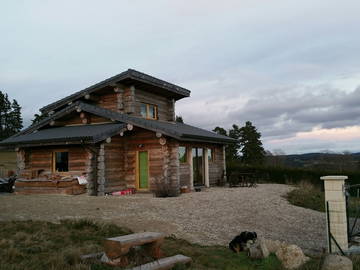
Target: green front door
[{"x": 143, "y": 170}]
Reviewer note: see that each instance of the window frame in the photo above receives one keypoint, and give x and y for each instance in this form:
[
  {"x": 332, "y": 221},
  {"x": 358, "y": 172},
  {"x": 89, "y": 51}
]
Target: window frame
[
  {"x": 148, "y": 114},
  {"x": 54, "y": 161},
  {"x": 185, "y": 155},
  {"x": 211, "y": 157}
]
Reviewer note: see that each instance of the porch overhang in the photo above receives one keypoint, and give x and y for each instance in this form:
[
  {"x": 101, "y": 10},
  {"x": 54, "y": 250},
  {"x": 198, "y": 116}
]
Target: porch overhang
[{"x": 84, "y": 134}]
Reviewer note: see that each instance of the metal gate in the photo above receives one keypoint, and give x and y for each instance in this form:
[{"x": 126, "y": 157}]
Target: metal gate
[{"x": 353, "y": 213}]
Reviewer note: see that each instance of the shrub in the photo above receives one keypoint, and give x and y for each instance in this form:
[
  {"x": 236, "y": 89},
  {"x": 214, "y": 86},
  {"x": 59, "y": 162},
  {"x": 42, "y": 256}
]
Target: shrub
[{"x": 286, "y": 175}]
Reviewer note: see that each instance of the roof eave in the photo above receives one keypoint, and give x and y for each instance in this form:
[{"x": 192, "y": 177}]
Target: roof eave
[
  {"x": 130, "y": 73},
  {"x": 187, "y": 137}
]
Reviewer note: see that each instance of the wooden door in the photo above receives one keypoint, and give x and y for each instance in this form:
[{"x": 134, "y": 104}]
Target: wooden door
[{"x": 143, "y": 170}]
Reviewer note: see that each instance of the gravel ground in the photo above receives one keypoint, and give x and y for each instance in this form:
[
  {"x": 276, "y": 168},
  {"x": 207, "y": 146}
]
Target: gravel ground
[{"x": 210, "y": 217}]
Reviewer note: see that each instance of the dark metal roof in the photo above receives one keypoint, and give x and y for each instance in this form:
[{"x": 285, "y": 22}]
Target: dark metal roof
[
  {"x": 84, "y": 133},
  {"x": 176, "y": 130},
  {"x": 182, "y": 132},
  {"x": 127, "y": 76}
]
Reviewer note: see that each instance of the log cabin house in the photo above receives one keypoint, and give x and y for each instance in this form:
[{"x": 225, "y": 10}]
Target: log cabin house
[{"x": 119, "y": 133}]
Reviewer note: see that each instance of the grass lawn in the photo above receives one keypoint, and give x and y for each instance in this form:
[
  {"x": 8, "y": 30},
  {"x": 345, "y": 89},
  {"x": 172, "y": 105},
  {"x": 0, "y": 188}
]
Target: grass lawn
[
  {"x": 313, "y": 198},
  {"x": 44, "y": 245},
  {"x": 308, "y": 197}
]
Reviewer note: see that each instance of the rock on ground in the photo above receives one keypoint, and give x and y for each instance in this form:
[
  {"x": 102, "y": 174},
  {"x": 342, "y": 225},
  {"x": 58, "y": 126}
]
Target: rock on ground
[
  {"x": 291, "y": 256},
  {"x": 274, "y": 245},
  {"x": 258, "y": 250},
  {"x": 336, "y": 262}
]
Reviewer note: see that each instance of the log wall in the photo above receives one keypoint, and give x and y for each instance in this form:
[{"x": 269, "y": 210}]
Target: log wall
[
  {"x": 108, "y": 100},
  {"x": 165, "y": 105},
  {"x": 32, "y": 160},
  {"x": 121, "y": 161},
  {"x": 128, "y": 100}
]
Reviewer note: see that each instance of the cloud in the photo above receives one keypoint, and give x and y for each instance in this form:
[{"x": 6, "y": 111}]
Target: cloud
[{"x": 288, "y": 66}]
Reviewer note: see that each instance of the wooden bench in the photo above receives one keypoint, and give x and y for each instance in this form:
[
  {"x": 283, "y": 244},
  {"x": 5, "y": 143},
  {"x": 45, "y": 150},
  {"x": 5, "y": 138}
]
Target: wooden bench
[
  {"x": 164, "y": 263},
  {"x": 117, "y": 248}
]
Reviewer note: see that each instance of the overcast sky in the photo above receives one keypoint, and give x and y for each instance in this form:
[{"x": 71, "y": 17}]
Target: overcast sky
[{"x": 291, "y": 67}]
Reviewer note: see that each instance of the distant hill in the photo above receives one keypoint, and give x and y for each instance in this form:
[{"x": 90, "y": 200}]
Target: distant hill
[{"x": 318, "y": 161}]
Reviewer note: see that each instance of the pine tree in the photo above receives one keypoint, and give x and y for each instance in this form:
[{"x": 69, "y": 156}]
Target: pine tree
[
  {"x": 5, "y": 107},
  {"x": 231, "y": 150},
  {"x": 251, "y": 147},
  {"x": 38, "y": 118},
  {"x": 15, "y": 117},
  {"x": 10, "y": 117},
  {"x": 179, "y": 119}
]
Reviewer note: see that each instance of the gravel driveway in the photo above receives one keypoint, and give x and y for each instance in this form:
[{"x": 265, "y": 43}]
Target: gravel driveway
[{"x": 210, "y": 217}]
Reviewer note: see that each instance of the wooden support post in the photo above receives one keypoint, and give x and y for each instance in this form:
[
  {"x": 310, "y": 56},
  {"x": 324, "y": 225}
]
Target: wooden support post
[
  {"x": 101, "y": 171},
  {"x": 224, "y": 163},
  {"x": 206, "y": 167},
  {"x": 174, "y": 166},
  {"x": 190, "y": 161}
]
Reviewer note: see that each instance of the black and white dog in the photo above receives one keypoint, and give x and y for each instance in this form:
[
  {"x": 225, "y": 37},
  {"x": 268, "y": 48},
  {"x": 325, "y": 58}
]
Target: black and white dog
[{"x": 239, "y": 242}]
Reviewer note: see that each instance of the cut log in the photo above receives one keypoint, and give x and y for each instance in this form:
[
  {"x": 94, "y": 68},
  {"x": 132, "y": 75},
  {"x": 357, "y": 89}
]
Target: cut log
[
  {"x": 119, "y": 246},
  {"x": 164, "y": 263}
]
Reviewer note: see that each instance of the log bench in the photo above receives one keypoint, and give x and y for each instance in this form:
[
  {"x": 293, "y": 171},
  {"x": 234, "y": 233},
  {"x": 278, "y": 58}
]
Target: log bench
[{"x": 117, "y": 248}]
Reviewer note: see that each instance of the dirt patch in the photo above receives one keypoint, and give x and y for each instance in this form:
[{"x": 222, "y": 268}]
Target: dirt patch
[{"x": 211, "y": 217}]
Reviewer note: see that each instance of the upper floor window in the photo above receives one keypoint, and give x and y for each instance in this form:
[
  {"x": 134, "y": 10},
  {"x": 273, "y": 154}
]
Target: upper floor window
[
  {"x": 149, "y": 111},
  {"x": 61, "y": 162}
]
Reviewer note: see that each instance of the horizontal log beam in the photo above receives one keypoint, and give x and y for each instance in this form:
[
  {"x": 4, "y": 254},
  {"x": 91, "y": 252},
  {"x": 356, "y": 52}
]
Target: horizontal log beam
[{"x": 91, "y": 97}]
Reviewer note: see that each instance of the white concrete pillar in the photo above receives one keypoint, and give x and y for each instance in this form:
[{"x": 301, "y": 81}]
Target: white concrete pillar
[
  {"x": 206, "y": 167},
  {"x": 190, "y": 161},
  {"x": 335, "y": 196}
]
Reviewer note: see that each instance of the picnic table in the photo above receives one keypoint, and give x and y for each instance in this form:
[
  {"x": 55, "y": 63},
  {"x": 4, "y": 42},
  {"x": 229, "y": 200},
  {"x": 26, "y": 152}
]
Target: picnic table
[{"x": 243, "y": 179}]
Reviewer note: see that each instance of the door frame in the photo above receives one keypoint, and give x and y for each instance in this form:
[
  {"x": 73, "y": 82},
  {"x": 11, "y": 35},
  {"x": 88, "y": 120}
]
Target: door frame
[
  {"x": 137, "y": 169},
  {"x": 202, "y": 166}
]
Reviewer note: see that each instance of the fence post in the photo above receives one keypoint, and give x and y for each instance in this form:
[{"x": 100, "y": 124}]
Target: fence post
[{"x": 335, "y": 200}]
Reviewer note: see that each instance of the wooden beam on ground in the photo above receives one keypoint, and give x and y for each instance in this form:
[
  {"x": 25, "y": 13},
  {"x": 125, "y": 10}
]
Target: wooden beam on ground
[{"x": 164, "y": 263}]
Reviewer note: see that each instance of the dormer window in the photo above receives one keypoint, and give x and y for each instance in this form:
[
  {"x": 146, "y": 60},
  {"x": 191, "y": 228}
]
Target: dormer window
[{"x": 149, "y": 111}]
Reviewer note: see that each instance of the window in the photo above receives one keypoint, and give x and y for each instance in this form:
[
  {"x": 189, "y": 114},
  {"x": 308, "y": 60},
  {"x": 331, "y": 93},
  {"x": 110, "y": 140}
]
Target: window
[
  {"x": 61, "y": 162},
  {"x": 182, "y": 154},
  {"x": 210, "y": 154},
  {"x": 149, "y": 111}
]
